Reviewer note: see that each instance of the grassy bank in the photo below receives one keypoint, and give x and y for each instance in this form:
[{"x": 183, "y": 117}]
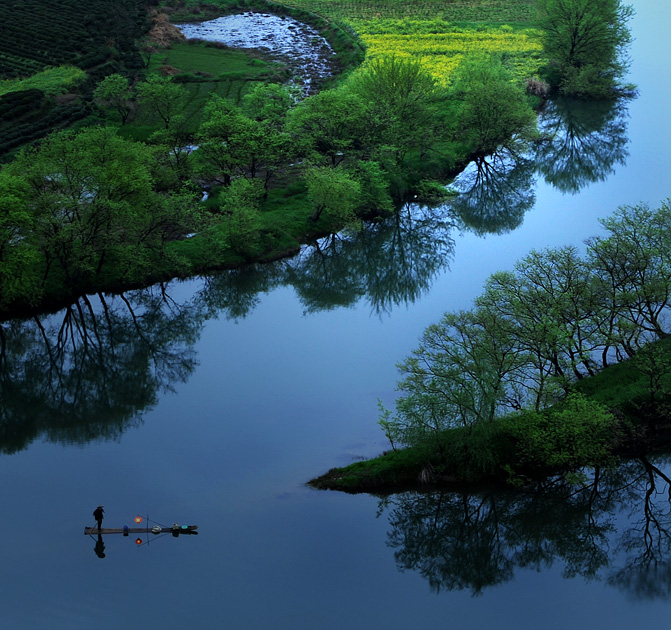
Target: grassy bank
[{"x": 632, "y": 418}]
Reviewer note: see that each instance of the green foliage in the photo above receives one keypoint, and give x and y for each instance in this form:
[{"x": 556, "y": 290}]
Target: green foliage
[
  {"x": 494, "y": 110},
  {"x": 400, "y": 99},
  {"x": 90, "y": 208},
  {"x": 240, "y": 204},
  {"x": 334, "y": 195},
  {"x": 161, "y": 97},
  {"x": 576, "y": 433},
  {"x": 113, "y": 93},
  {"x": 269, "y": 103},
  {"x": 534, "y": 333},
  {"x": 586, "y": 42},
  {"x": 330, "y": 125},
  {"x": 50, "y": 81}
]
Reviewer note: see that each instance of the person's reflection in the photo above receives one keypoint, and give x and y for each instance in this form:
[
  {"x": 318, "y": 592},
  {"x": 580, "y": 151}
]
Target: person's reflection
[{"x": 100, "y": 547}]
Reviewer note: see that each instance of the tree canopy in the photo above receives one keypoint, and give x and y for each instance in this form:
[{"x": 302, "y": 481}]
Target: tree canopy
[{"x": 586, "y": 43}]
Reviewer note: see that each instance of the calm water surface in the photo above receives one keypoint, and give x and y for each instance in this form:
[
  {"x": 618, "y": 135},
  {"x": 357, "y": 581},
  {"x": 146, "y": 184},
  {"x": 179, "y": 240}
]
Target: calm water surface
[{"x": 214, "y": 402}]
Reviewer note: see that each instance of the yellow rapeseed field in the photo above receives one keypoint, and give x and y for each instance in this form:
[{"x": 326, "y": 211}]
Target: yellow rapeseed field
[
  {"x": 440, "y": 32},
  {"x": 441, "y": 47}
]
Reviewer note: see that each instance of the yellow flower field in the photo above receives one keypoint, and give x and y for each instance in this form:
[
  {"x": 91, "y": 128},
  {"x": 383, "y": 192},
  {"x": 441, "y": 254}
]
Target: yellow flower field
[
  {"x": 441, "y": 47},
  {"x": 440, "y": 33}
]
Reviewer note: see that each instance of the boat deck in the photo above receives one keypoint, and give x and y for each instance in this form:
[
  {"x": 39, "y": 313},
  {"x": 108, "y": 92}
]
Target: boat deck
[{"x": 92, "y": 531}]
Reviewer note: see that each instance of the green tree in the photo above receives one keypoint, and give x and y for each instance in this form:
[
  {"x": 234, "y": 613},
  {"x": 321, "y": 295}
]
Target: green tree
[
  {"x": 269, "y": 103},
  {"x": 493, "y": 111},
  {"x": 232, "y": 144},
  {"x": 586, "y": 42},
  {"x": 240, "y": 204},
  {"x": 113, "y": 93},
  {"x": 400, "y": 99},
  {"x": 18, "y": 253},
  {"x": 162, "y": 97},
  {"x": 334, "y": 194},
  {"x": 92, "y": 201},
  {"x": 632, "y": 267},
  {"x": 458, "y": 377},
  {"x": 329, "y": 126}
]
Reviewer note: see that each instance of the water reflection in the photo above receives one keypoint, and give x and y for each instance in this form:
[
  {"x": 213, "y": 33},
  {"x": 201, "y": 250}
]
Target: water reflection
[
  {"x": 580, "y": 143},
  {"x": 91, "y": 370},
  {"x": 386, "y": 263},
  {"x": 616, "y": 527},
  {"x": 495, "y": 192}
]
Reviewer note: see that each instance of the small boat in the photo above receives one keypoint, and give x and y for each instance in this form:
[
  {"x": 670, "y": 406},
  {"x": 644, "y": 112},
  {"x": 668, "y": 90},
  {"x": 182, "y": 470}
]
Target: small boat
[{"x": 175, "y": 529}]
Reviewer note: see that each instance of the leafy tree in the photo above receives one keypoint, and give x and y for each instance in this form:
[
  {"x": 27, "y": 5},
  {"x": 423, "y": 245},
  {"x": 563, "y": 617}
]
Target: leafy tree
[
  {"x": 233, "y": 144},
  {"x": 93, "y": 204},
  {"x": 400, "y": 99},
  {"x": 113, "y": 92},
  {"x": 494, "y": 111},
  {"x": 333, "y": 193},
  {"x": 375, "y": 198},
  {"x": 162, "y": 97},
  {"x": 240, "y": 204},
  {"x": 17, "y": 252},
  {"x": 458, "y": 377},
  {"x": 330, "y": 126},
  {"x": 633, "y": 269},
  {"x": 174, "y": 155},
  {"x": 586, "y": 42},
  {"x": 269, "y": 103}
]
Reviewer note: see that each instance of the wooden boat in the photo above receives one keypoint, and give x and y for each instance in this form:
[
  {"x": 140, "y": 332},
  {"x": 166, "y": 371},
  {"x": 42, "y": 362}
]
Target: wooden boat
[{"x": 175, "y": 530}]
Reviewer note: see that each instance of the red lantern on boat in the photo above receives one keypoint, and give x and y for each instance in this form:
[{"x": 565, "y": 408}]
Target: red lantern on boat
[
  {"x": 138, "y": 541},
  {"x": 138, "y": 519}
]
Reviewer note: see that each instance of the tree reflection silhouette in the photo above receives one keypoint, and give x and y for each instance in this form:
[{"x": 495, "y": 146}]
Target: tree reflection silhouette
[
  {"x": 581, "y": 141},
  {"x": 495, "y": 192},
  {"x": 616, "y": 527},
  {"x": 387, "y": 263},
  {"x": 88, "y": 372}
]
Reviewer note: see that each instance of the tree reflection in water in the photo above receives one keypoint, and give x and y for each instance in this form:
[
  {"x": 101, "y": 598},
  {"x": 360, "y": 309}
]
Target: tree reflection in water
[
  {"x": 580, "y": 142},
  {"x": 89, "y": 371},
  {"x": 495, "y": 192},
  {"x": 616, "y": 527},
  {"x": 387, "y": 263}
]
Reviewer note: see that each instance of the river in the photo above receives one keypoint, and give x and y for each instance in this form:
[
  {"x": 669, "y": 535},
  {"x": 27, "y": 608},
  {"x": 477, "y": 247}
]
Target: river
[{"x": 212, "y": 401}]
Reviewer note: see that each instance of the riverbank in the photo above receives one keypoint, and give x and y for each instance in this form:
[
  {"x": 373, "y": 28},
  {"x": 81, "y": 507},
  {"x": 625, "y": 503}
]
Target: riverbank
[{"x": 605, "y": 418}]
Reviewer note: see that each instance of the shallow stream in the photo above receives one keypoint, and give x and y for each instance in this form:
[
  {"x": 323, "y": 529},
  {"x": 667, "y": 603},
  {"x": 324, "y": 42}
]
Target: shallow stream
[{"x": 300, "y": 46}]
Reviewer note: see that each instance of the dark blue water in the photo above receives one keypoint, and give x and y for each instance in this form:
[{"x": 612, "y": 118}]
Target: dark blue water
[{"x": 217, "y": 412}]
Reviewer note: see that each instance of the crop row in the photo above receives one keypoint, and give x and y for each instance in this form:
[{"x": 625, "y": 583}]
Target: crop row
[{"x": 71, "y": 32}]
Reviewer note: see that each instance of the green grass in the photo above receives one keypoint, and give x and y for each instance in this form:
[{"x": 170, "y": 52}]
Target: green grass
[
  {"x": 492, "y": 11},
  {"x": 51, "y": 81},
  {"x": 192, "y": 58},
  {"x": 621, "y": 385}
]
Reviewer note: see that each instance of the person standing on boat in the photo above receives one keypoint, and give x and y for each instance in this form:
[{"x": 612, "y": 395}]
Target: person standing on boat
[{"x": 98, "y": 515}]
